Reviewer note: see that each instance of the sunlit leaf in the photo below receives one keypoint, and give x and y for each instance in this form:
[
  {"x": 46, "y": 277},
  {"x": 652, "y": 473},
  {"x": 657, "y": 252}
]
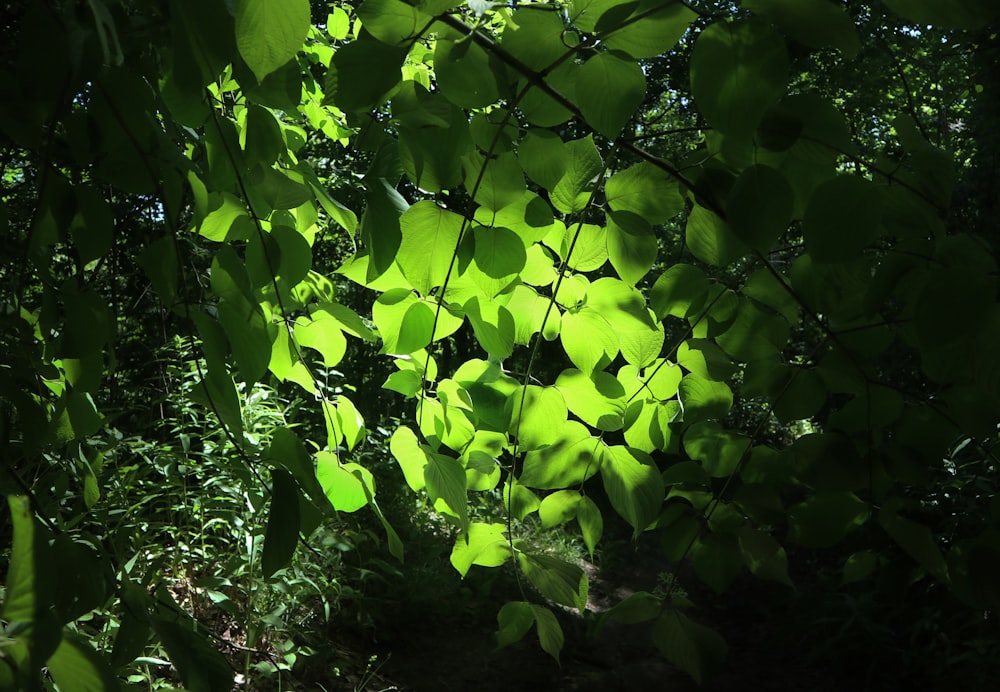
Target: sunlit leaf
[
  {"x": 633, "y": 485},
  {"x": 483, "y": 544}
]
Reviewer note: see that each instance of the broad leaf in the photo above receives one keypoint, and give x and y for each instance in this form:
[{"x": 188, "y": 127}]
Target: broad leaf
[
  {"x": 482, "y": 544},
  {"x": 697, "y": 650},
  {"x": 633, "y": 485},
  {"x": 282, "y": 532},
  {"x": 269, "y": 34},
  {"x": 429, "y": 240},
  {"x": 608, "y": 90}
]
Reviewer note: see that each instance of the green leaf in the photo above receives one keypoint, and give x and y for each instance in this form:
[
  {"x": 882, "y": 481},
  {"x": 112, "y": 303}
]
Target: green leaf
[
  {"x": 411, "y": 456},
  {"x": 491, "y": 391},
  {"x": 754, "y": 334},
  {"x": 392, "y": 21},
  {"x": 597, "y": 399},
  {"x": 93, "y": 226},
  {"x": 264, "y": 142},
  {"x": 200, "y": 667},
  {"x": 543, "y": 156},
  {"x": 493, "y": 326},
  {"x": 550, "y": 634},
  {"x": 589, "y": 340},
  {"x": 859, "y": 566},
  {"x": 641, "y": 606},
  {"x": 760, "y": 206},
  {"x": 344, "y": 489},
  {"x": 584, "y": 246},
  {"x": 815, "y": 23},
  {"x": 269, "y": 34},
  {"x": 432, "y": 156},
  {"x": 718, "y": 560},
  {"x": 738, "y": 69},
  {"x": 763, "y": 555},
  {"x": 679, "y": 291},
  {"x": 710, "y": 239},
  {"x": 345, "y": 217},
  {"x": 534, "y": 37},
  {"x": 537, "y": 415},
  {"x": 287, "y": 449},
  {"x": 350, "y": 421},
  {"x": 445, "y": 480},
  {"x": 495, "y": 182},
  {"x": 514, "y": 620},
  {"x": 89, "y": 324},
  {"x": 632, "y": 246},
  {"x": 404, "y": 322},
  {"x": 76, "y": 416},
  {"x": 571, "y": 459},
  {"x": 956, "y": 14},
  {"x": 220, "y": 223},
  {"x": 429, "y": 240},
  {"x": 395, "y": 544},
  {"x": 518, "y": 500},
  {"x": 634, "y": 486},
  {"x": 702, "y": 357},
  {"x": 240, "y": 316},
  {"x": 482, "y": 544},
  {"x": 591, "y": 523},
  {"x": 647, "y": 425},
  {"x": 30, "y": 586},
  {"x": 917, "y": 540},
  {"x": 362, "y": 73},
  {"x": 76, "y": 665},
  {"x": 661, "y": 26},
  {"x": 279, "y": 189},
  {"x": 282, "y": 532},
  {"x": 381, "y": 225},
  {"x": 325, "y": 336},
  {"x": 559, "y": 507},
  {"x": 703, "y": 399},
  {"x": 557, "y": 580},
  {"x": 697, "y": 650},
  {"x": 842, "y": 219},
  {"x": 499, "y": 257},
  {"x": 583, "y": 165},
  {"x": 718, "y": 450},
  {"x": 609, "y": 89},
  {"x": 826, "y": 518},
  {"x": 159, "y": 261},
  {"x": 463, "y": 73},
  {"x": 645, "y": 190},
  {"x": 245, "y": 325}
]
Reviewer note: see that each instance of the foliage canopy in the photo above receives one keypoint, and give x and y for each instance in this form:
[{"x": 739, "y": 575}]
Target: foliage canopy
[{"x": 626, "y": 259}]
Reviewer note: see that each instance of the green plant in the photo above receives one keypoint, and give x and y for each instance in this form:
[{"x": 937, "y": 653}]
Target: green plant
[{"x": 649, "y": 265}]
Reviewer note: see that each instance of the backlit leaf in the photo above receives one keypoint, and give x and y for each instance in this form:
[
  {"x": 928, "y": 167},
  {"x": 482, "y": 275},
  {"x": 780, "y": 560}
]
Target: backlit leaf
[
  {"x": 429, "y": 239},
  {"x": 645, "y": 190},
  {"x": 269, "y": 34},
  {"x": 816, "y": 23},
  {"x": 482, "y": 544},
  {"x": 633, "y": 485},
  {"x": 608, "y": 90}
]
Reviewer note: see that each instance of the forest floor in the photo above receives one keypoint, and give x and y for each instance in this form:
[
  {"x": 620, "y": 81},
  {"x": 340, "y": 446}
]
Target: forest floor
[{"x": 456, "y": 650}]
